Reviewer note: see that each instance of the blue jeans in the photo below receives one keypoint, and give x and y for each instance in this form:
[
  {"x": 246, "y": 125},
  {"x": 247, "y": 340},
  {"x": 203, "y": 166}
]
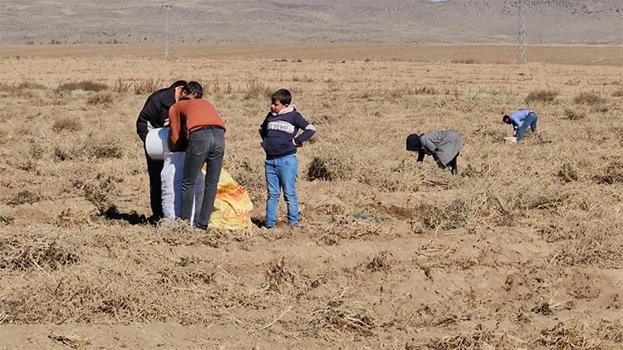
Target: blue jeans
[
  {"x": 281, "y": 173},
  {"x": 530, "y": 121},
  {"x": 204, "y": 146}
]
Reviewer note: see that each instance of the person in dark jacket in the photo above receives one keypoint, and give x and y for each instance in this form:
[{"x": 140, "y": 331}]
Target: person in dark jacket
[
  {"x": 279, "y": 139},
  {"x": 153, "y": 115},
  {"x": 444, "y": 146}
]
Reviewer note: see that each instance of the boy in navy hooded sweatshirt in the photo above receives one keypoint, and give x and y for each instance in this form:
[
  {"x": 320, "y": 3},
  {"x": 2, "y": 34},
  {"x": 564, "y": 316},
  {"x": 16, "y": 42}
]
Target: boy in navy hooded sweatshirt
[{"x": 280, "y": 141}]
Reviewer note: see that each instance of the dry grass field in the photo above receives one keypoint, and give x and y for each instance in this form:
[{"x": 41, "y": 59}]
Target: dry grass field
[{"x": 522, "y": 250}]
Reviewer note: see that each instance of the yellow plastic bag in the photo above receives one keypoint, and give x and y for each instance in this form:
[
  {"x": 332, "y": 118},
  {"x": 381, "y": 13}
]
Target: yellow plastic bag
[{"x": 232, "y": 207}]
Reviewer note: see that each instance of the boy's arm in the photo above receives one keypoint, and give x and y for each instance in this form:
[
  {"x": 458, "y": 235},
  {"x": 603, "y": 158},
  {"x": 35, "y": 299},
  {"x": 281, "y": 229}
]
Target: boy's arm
[
  {"x": 263, "y": 128},
  {"x": 308, "y": 129},
  {"x": 174, "y": 122}
]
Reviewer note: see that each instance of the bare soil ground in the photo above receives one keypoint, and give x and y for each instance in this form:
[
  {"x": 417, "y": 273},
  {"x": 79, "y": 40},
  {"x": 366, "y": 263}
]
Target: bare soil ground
[{"x": 522, "y": 250}]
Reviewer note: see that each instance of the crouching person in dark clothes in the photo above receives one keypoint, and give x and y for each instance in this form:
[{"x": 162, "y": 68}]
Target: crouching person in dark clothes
[
  {"x": 444, "y": 146},
  {"x": 195, "y": 122}
]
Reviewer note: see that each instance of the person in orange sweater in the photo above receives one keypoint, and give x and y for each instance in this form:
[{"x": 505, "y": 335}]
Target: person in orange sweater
[{"x": 196, "y": 126}]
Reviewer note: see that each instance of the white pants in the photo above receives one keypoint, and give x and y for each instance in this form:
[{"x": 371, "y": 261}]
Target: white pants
[{"x": 171, "y": 177}]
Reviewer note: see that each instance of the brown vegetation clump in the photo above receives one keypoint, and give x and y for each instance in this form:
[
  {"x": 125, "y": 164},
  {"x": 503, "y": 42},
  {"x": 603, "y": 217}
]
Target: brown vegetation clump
[
  {"x": 318, "y": 170},
  {"x": 61, "y": 154},
  {"x": 255, "y": 89},
  {"x": 104, "y": 99},
  {"x": 144, "y": 87},
  {"x": 409, "y": 90},
  {"x": 589, "y": 98},
  {"x": 574, "y": 114},
  {"x": 422, "y": 90},
  {"x": 251, "y": 177},
  {"x": 121, "y": 86},
  {"x": 381, "y": 262},
  {"x": 611, "y": 331},
  {"x": 30, "y": 85},
  {"x": 6, "y": 219},
  {"x": 337, "y": 317},
  {"x": 464, "y": 61},
  {"x": 67, "y": 124},
  {"x": 596, "y": 249},
  {"x": 36, "y": 151},
  {"x": 329, "y": 168},
  {"x": 403, "y": 177},
  {"x": 479, "y": 338},
  {"x": 180, "y": 232},
  {"x": 100, "y": 193},
  {"x": 547, "y": 198},
  {"x": 105, "y": 149},
  {"x": 546, "y": 96},
  {"x": 617, "y": 93},
  {"x": 564, "y": 337},
  {"x": 23, "y": 197},
  {"x": 278, "y": 275},
  {"x": 600, "y": 108},
  {"x": 451, "y": 217},
  {"x": 25, "y": 85},
  {"x": 70, "y": 341},
  {"x": 86, "y": 296},
  {"x": 85, "y": 85},
  {"x": 613, "y": 174},
  {"x": 216, "y": 88},
  {"x": 37, "y": 253},
  {"x": 568, "y": 173},
  {"x": 70, "y": 218}
]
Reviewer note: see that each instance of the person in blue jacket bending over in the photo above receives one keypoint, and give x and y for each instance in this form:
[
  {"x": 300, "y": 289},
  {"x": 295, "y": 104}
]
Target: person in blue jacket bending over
[{"x": 522, "y": 119}]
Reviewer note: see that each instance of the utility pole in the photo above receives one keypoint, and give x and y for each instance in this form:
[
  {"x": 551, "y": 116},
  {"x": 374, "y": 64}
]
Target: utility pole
[
  {"x": 522, "y": 54},
  {"x": 166, "y": 8}
]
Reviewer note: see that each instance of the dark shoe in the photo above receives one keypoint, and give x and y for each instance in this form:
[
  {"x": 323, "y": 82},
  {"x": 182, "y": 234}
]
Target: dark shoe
[
  {"x": 201, "y": 227},
  {"x": 154, "y": 219}
]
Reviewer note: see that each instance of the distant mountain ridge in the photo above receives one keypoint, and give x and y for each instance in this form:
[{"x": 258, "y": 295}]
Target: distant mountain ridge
[{"x": 451, "y": 21}]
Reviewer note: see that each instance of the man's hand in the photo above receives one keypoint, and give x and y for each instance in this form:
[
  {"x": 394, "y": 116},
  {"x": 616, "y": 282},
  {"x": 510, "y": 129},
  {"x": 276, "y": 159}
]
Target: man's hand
[
  {"x": 296, "y": 143},
  {"x": 178, "y": 93}
]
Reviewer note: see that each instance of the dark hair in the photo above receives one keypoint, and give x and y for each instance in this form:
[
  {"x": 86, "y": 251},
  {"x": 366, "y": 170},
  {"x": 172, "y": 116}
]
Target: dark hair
[
  {"x": 506, "y": 119},
  {"x": 413, "y": 142},
  {"x": 194, "y": 88},
  {"x": 282, "y": 95},
  {"x": 179, "y": 83}
]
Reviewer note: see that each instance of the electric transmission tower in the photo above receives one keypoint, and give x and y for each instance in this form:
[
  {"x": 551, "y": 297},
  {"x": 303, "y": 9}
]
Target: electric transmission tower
[
  {"x": 166, "y": 8},
  {"x": 522, "y": 54}
]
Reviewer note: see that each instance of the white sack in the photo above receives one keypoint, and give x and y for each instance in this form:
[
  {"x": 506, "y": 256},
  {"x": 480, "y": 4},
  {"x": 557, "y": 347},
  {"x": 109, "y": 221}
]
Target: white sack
[
  {"x": 171, "y": 176},
  {"x": 157, "y": 143}
]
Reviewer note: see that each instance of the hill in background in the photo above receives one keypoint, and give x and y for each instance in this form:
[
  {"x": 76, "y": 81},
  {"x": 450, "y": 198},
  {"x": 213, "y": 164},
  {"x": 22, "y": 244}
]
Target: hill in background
[{"x": 451, "y": 21}]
